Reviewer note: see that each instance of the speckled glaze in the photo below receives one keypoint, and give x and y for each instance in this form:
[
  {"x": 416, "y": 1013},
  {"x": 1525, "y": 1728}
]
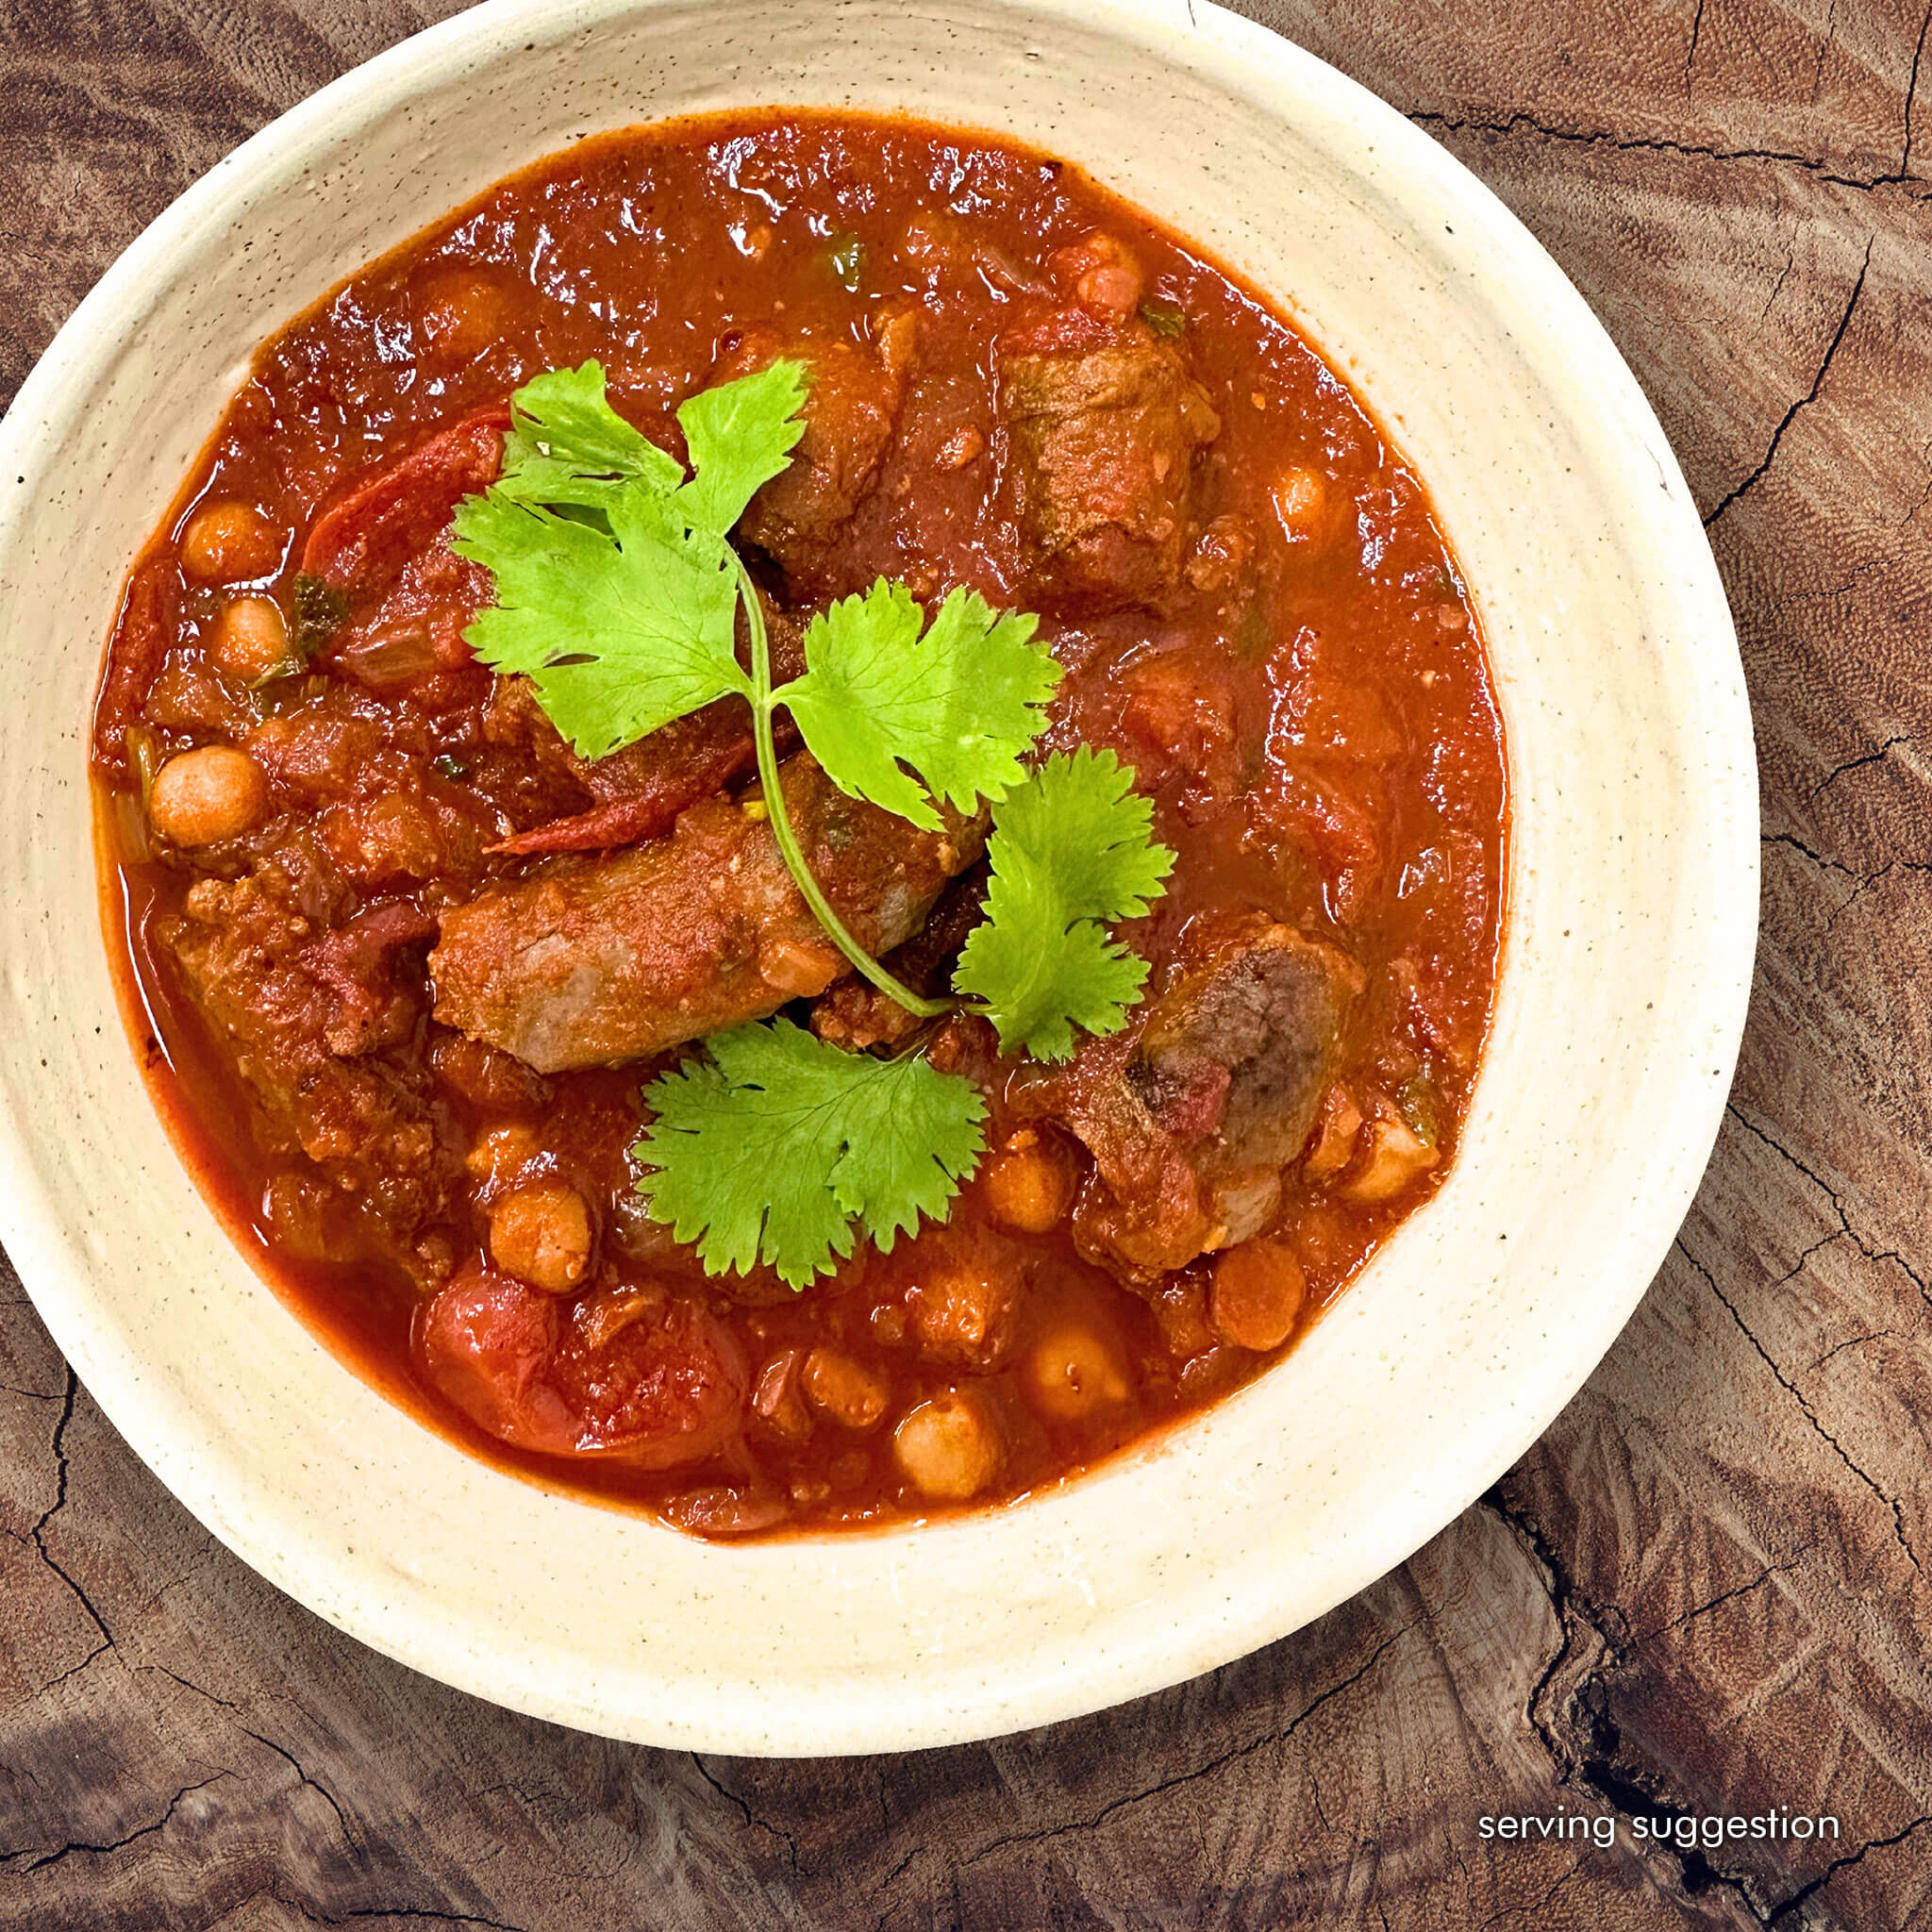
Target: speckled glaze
[{"x": 1632, "y": 908}]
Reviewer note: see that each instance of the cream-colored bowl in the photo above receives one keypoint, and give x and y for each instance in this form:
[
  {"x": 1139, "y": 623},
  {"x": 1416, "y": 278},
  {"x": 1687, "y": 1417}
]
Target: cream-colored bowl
[{"x": 1632, "y": 904}]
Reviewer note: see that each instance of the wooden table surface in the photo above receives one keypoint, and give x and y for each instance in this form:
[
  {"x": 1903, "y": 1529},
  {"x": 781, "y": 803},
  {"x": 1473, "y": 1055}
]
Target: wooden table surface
[{"x": 1702, "y": 1594}]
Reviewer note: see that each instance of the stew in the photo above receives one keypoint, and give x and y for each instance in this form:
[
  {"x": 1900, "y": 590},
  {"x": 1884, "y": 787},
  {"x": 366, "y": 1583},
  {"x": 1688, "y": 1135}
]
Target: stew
[{"x": 414, "y": 973}]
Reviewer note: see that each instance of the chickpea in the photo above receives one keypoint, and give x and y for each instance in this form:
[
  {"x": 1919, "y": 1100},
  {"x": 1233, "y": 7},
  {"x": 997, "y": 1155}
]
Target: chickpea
[
  {"x": 842, "y": 1389},
  {"x": 948, "y": 1448},
  {"x": 1029, "y": 1184},
  {"x": 228, "y": 542},
  {"x": 251, "y": 639},
  {"x": 460, "y": 316},
  {"x": 1074, "y": 1372},
  {"x": 201, "y": 797},
  {"x": 1256, "y": 1296},
  {"x": 541, "y": 1235},
  {"x": 1301, "y": 501}
]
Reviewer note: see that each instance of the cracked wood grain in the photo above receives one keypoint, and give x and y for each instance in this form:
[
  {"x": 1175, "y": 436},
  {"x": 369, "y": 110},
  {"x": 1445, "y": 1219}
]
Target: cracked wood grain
[{"x": 1702, "y": 1592}]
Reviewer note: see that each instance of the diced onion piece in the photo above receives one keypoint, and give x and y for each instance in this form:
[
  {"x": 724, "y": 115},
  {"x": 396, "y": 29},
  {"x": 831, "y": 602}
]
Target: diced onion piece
[
  {"x": 145, "y": 756},
  {"x": 132, "y": 837},
  {"x": 1396, "y": 1157},
  {"x": 775, "y": 1399},
  {"x": 393, "y": 660}
]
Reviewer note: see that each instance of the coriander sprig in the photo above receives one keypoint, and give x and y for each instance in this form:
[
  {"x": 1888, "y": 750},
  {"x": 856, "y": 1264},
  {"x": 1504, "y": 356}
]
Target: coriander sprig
[
  {"x": 1070, "y": 851},
  {"x": 764, "y": 702},
  {"x": 618, "y": 597},
  {"x": 772, "y": 1147}
]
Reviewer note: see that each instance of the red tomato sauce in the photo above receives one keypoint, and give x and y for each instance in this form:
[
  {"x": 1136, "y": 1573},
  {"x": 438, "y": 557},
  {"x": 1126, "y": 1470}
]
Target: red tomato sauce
[{"x": 1027, "y": 387}]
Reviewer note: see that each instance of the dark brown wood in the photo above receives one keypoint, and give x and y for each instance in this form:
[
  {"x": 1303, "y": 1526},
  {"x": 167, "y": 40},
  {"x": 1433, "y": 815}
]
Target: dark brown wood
[{"x": 1702, "y": 1592}]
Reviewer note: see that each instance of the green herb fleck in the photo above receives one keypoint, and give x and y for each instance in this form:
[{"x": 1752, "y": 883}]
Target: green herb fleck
[
  {"x": 321, "y": 611},
  {"x": 1165, "y": 318},
  {"x": 847, "y": 257}
]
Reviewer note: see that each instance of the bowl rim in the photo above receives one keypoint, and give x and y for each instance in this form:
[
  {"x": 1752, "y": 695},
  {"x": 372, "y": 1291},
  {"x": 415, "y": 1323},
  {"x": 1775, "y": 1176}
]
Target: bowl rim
[{"x": 37, "y": 1241}]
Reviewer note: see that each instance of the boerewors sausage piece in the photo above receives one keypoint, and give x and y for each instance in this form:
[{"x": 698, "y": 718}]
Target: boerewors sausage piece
[
  {"x": 588, "y": 963},
  {"x": 1191, "y": 1112},
  {"x": 1100, "y": 451}
]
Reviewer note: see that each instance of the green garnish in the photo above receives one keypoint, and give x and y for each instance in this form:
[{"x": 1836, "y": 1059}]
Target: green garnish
[
  {"x": 959, "y": 704},
  {"x": 847, "y": 257},
  {"x": 1070, "y": 850},
  {"x": 1165, "y": 318},
  {"x": 619, "y": 596},
  {"x": 320, "y": 612},
  {"x": 772, "y": 1147}
]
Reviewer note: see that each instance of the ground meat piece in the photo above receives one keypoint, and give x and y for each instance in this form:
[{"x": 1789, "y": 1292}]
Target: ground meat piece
[
  {"x": 310, "y": 996},
  {"x": 851, "y": 416},
  {"x": 357, "y": 963},
  {"x": 594, "y": 962},
  {"x": 1191, "y": 1112},
  {"x": 1100, "y": 440},
  {"x": 190, "y": 697}
]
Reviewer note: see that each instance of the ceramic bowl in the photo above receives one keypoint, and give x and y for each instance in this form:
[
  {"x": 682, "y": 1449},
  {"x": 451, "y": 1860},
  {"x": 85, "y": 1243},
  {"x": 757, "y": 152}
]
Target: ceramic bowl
[{"x": 1632, "y": 903}]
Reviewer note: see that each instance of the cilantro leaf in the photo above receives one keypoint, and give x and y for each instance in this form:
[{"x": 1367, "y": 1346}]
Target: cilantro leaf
[
  {"x": 621, "y": 630},
  {"x": 625, "y": 618},
  {"x": 1071, "y": 848},
  {"x": 959, "y": 705},
  {"x": 779, "y": 1148},
  {"x": 567, "y": 446},
  {"x": 740, "y": 435}
]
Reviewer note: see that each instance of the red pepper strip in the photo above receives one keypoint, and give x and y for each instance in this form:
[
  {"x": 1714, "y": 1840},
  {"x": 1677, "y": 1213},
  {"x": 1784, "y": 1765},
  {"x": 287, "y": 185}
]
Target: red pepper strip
[
  {"x": 141, "y": 636},
  {"x": 361, "y": 543}
]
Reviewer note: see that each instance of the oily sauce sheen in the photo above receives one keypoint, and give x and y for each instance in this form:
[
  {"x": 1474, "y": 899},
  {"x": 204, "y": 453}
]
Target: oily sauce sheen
[{"x": 1027, "y": 387}]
